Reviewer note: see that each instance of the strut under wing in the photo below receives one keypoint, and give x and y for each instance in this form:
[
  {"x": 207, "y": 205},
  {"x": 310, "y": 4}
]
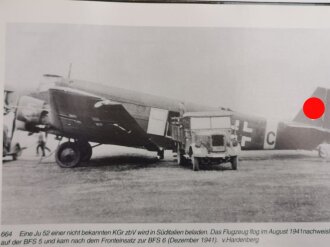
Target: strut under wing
[{"x": 77, "y": 114}]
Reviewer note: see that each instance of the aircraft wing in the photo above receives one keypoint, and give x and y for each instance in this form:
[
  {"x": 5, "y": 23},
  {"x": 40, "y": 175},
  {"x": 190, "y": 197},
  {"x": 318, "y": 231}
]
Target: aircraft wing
[{"x": 80, "y": 115}]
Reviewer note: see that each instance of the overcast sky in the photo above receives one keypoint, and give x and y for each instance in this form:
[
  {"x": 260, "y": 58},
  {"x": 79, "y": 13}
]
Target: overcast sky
[{"x": 265, "y": 72}]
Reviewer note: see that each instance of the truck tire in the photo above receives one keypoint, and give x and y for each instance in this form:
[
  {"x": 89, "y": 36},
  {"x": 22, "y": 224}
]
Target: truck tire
[
  {"x": 195, "y": 163},
  {"x": 234, "y": 163},
  {"x": 323, "y": 151},
  {"x": 17, "y": 151},
  {"x": 181, "y": 160},
  {"x": 160, "y": 154}
]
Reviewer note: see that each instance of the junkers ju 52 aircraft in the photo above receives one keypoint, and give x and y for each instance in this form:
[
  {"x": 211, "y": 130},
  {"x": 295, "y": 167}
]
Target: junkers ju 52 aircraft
[{"x": 87, "y": 112}]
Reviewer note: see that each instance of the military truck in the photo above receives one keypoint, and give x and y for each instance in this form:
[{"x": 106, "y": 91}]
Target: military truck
[
  {"x": 9, "y": 114},
  {"x": 205, "y": 138},
  {"x": 9, "y": 148}
]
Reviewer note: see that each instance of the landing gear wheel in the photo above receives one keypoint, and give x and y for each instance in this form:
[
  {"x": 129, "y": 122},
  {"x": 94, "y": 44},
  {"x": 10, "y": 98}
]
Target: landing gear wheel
[
  {"x": 234, "y": 163},
  {"x": 195, "y": 163},
  {"x": 86, "y": 151},
  {"x": 160, "y": 154},
  {"x": 68, "y": 155}
]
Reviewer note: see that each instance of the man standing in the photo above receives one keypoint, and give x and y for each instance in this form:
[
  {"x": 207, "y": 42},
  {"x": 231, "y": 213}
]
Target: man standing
[{"x": 42, "y": 144}]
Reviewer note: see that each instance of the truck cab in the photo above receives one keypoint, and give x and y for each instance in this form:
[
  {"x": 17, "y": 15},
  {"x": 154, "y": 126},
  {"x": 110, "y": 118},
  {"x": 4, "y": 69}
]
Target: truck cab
[{"x": 205, "y": 138}]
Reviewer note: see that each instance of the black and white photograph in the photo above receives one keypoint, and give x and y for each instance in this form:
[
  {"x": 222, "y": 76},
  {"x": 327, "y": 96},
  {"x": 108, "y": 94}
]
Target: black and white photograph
[{"x": 165, "y": 124}]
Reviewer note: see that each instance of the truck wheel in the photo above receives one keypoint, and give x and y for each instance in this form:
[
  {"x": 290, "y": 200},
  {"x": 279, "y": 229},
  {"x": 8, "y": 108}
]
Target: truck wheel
[
  {"x": 195, "y": 163},
  {"x": 160, "y": 154},
  {"x": 323, "y": 151},
  {"x": 234, "y": 163},
  {"x": 17, "y": 151},
  {"x": 181, "y": 160}
]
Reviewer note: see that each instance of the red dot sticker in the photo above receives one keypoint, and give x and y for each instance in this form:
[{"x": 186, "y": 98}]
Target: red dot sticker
[{"x": 314, "y": 108}]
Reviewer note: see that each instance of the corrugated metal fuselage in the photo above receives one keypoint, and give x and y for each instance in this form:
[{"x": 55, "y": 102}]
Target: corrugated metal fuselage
[{"x": 153, "y": 114}]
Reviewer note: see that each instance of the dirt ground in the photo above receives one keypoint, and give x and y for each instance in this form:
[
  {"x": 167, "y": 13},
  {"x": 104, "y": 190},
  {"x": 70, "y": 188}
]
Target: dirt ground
[{"x": 121, "y": 185}]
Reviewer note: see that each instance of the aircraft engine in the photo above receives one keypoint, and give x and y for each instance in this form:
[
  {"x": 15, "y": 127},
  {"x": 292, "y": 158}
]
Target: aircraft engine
[{"x": 32, "y": 112}]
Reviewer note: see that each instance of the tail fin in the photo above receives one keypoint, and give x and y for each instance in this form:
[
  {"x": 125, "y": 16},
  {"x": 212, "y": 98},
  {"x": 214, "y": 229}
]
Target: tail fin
[{"x": 324, "y": 121}]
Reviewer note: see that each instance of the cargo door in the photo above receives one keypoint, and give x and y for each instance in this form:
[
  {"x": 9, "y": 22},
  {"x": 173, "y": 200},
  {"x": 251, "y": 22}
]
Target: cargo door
[{"x": 157, "y": 121}]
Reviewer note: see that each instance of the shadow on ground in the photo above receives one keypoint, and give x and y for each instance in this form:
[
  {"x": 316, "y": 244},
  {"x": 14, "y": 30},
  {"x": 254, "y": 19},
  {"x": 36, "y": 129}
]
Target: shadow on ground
[
  {"x": 121, "y": 162},
  {"x": 208, "y": 167},
  {"x": 271, "y": 156}
]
